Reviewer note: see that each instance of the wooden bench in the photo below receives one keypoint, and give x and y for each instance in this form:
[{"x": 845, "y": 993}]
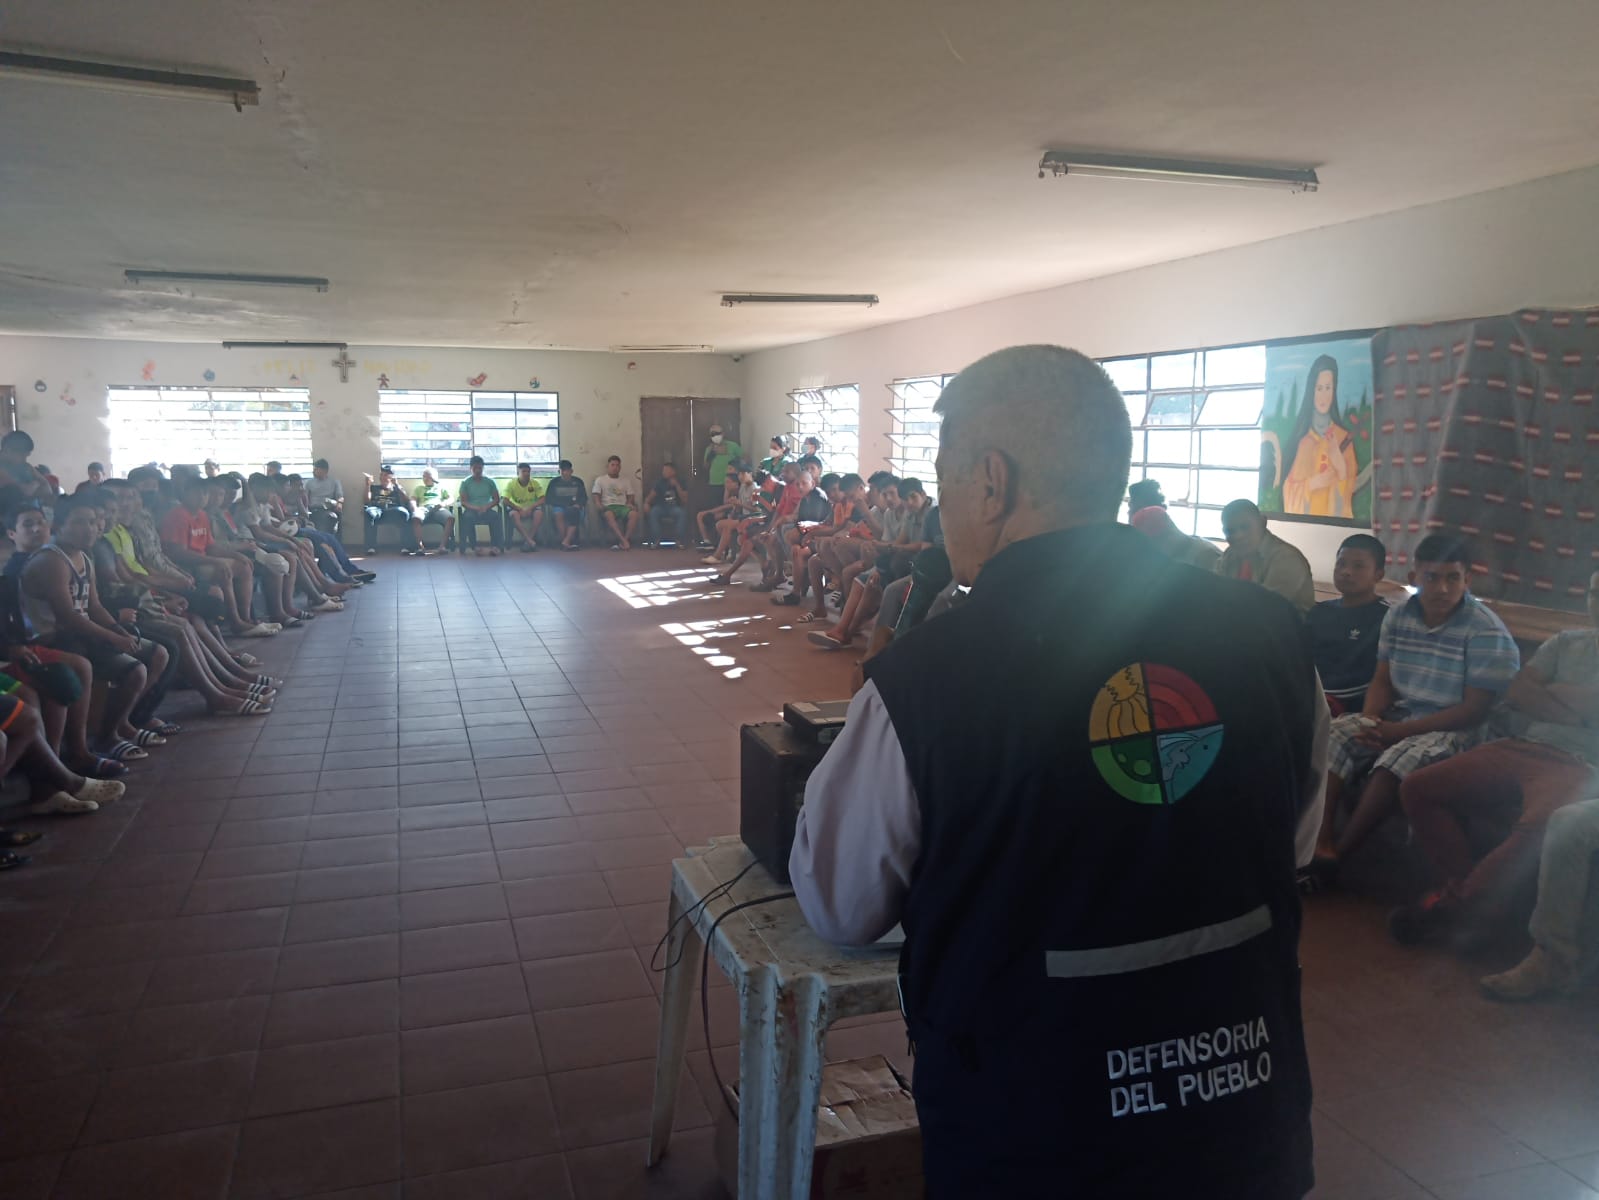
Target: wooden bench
[{"x": 1530, "y": 625}]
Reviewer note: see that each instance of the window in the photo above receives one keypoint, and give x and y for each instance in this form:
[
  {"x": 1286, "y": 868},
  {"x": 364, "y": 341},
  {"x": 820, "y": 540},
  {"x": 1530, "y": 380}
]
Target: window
[
  {"x": 1196, "y": 427},
  {"x": 832, "y": 414},
  {"x": 241, "y": 429},
  {"x": 913, "y": 436},
  {"x": 443, "y": 430},
  {"x": 516, "y": 427}
]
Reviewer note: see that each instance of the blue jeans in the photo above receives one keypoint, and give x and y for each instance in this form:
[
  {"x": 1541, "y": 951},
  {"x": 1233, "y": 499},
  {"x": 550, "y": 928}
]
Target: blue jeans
[
  {"x": 660, "y": 515},
  {"x": 466, "y": 532},
  {"x": 330, "y": 553}
]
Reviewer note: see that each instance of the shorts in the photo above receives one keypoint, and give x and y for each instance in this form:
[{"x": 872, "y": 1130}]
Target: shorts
[
  {"x": 1349, "y": 759},
  {"x": 108, "y": 664},
  {"x": 569, "y": 512},
  {"x": 436, "y": 514},
  {"x": 9, "y": 685},
  {"x": 204, "y": 605},
  {"x": 619, "y": 511},
  {"x": 10, "y": 709}
]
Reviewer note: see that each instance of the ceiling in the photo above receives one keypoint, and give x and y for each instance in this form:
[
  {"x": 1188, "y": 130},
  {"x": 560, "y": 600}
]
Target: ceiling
[{"x": 590, "y": 173}]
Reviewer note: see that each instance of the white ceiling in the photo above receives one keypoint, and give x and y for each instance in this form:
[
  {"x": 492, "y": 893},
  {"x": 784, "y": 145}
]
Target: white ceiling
[{"x": 584, "y": 173}]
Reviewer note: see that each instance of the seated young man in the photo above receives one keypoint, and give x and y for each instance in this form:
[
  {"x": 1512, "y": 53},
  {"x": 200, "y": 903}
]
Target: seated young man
[
  {"x": 1155, "y": 523},
  {"x": 387, "y": 504},
  {"x": 1343, "y": 632},
  {"x": 433, "y": 502},
  {"x": 863, "y": 598},
  {"x": 826, "y": 511},
  {"x": 52, "y": 789},
  {"x": 480, "y": 505},
  {"x": 1256, "y": 555},
  {"x": 1565, "y": 923},
  {"x": 618, "y": 505},
  {"x": 1545, "y": 761},
  {"x": 804, "y": 506},
  {"x": 524, "y": 504},
  {"x": 257, "y": 513},
  {"x": 666, "y": 509},
  {"x": 566, "y": 499},
  {"x": 709, "y": 518},
  {"x": 187, "y": 540},
  {"x": 761, "y": 543},
  {"x": 62, "y": 608},
  {"x": 747, "y": 509},
  {"x": 328, "y": 551},
  {"x": 274, "y": 573},
  {"x": 1145, "y": 493},
  {"x": 858, "y": 539},
  {"x": 754, "y": 519},
  {"x": 1443, "y": 658}
]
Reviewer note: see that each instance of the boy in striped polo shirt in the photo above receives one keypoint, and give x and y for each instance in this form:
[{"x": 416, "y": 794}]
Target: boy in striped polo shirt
[{"x": 1443, "y": 659}]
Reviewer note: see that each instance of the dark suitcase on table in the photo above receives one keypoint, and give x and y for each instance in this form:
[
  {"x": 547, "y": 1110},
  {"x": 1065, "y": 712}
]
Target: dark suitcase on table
[{"x": 774, "y": 763}]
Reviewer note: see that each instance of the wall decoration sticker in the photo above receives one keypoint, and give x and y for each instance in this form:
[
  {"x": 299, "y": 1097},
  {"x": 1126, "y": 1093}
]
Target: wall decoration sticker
[
  {"x": 40, "y": 385},
  {"x": 383, "y": 380},
  {"x": 209, "y": 375},
  {"x": 479, "y": 379},
  {"x": 148, "y": 374}
]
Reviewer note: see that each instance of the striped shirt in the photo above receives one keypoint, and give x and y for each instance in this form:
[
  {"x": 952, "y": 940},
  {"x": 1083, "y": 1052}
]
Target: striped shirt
[{"x": 1431, "y": 668}]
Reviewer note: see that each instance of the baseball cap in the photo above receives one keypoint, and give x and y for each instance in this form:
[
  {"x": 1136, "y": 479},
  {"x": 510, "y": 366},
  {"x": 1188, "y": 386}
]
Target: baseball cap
[{"x": 386, "y": 467}]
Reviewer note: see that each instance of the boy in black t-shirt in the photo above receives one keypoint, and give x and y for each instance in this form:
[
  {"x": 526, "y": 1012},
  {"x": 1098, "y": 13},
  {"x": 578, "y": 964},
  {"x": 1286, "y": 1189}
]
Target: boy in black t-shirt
[
  {"x": 1343, "y": 632},
  {"x": 564, "y": 498}
]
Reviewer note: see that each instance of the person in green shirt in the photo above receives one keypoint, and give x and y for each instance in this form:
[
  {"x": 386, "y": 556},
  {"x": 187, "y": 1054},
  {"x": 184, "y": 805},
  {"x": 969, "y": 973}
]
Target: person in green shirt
[
  {"x": 433, "y": 502},
  {"x": 774, "y": 464},
  {"x": 480, "y": 504},
  {"x": 718, "y": 456},
  {"x": 524, "y": 504}
]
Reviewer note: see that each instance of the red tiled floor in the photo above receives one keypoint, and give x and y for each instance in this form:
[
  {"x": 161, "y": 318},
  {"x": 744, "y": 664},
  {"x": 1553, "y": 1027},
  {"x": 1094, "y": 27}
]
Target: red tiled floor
[{"x": 399, "y": 930}]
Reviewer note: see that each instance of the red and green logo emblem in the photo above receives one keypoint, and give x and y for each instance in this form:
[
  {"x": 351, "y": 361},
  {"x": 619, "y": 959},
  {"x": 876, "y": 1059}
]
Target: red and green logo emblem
[{"x": 1154, "y": 733}]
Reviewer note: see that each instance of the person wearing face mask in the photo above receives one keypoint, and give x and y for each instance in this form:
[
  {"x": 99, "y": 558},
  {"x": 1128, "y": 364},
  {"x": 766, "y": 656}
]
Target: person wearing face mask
[
  {"x": 1092, "y": 853},
  {"x": 720, "y": 454},
  {"x": 774, "y": 462}
]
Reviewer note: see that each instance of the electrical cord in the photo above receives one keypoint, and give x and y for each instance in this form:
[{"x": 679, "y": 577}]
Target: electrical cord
[
  {"x": 705, "y": 980},
  {"x": 716, "y": 893}
]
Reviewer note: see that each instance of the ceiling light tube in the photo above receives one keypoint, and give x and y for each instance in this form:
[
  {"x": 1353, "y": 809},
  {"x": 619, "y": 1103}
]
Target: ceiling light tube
[
  {"x": 1177, "y": 170},
  {"x": 300, "y": 281},
  {"x": 668, "y": 349},
  {"x": 732, "y": 298},
  {"x": 285, "y": 345},
  {"x": 185, "y": 84}
]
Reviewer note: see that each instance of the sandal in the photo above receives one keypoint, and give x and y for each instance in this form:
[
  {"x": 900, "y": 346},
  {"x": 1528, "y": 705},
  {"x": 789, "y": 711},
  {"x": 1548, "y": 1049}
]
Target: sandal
[
  {"x": 247, "y": 708},
  {"x": 98, "y": 767},
  {"x": 125, "y": 751},
  {"x": 806, "y": 617},
  {"x": 247, "y": 660},
  {"x": 19, "y": 837},
  {"x": 165, "y": 728},
  {"x": 8, "y": 860},
  {"x": 148, "y": 737},
  {"x": 267, "y": 681},
  {"x": 256, "y": 692},
  {"x": 825, "y": 640}
]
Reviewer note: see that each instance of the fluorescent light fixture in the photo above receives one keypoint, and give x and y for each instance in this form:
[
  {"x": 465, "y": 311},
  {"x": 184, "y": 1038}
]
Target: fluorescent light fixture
[
  {"x": 661, "y": 349},
  {"x": 299, "y": 281},
  {"x": 1176, "y": 170},
  {"x": 237, "y": 92},
  {"x": 285, "y": 345},
  {"x": 733, "y": 298}
]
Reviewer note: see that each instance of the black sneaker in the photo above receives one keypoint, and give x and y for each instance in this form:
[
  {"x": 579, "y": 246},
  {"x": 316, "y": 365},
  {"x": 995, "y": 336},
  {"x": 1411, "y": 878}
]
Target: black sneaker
[
  {"x": 363, "y": 576},
  {"x": 1434, "y": 915}
]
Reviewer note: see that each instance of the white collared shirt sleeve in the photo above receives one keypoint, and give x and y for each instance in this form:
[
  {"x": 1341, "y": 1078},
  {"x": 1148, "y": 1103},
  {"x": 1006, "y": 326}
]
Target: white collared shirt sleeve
[
  {"x": 859, "y": 833},
  {"x": 1314, "y": 799}
]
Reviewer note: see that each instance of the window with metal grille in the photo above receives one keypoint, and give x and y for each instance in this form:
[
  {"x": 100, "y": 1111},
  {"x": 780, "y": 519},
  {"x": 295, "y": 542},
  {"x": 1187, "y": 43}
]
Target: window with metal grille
[
  {"x": 832, "y": 414},
  {"x": 425, "y": 429},
  {"x": 516, "y": 427},
  {"x": 1196, "y": 427},
  {"x": 913, "y": 432},
  {"x": 242, "y": 429},
  {"x": 443, "y": 430}
]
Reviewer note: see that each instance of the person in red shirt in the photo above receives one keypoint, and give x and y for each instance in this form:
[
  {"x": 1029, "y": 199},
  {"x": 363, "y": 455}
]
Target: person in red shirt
[{"x": 186, "y": 538}]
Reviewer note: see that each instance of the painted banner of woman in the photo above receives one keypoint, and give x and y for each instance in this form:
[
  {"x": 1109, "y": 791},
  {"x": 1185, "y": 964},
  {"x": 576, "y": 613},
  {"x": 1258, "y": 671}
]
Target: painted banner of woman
[{"x": 1320, "y": 471}]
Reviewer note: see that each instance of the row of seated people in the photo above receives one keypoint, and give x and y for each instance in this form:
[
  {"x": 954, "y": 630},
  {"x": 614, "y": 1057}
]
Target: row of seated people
[
  {"x": 818, "y": 535},
  {"x": 130, "y": 588},
  {"x": 524, "y": 505},
  {"x": 1495, "y": 763}
]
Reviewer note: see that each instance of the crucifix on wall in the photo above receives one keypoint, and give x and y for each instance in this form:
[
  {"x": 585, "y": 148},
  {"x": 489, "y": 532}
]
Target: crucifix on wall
[{"x": 344, "y": 362}]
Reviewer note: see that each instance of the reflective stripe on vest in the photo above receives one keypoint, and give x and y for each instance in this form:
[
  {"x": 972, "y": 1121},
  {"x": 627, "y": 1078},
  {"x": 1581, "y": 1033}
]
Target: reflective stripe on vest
[{"x": 1157, "y": 952}]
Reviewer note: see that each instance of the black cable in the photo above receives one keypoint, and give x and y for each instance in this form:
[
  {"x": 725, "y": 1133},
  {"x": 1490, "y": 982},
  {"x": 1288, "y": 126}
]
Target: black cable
[
  {"x": 716, "y": 893},
  {"x": 705, "y": 981}
]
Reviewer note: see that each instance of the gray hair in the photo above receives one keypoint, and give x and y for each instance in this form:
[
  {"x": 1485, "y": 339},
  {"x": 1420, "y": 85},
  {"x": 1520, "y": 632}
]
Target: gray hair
[{"x": 1058, "y": 418}]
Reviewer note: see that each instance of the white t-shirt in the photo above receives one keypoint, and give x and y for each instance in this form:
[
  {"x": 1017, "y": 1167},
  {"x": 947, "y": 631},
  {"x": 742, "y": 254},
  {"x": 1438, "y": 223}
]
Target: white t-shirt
[{"x": 611, "y": 491}]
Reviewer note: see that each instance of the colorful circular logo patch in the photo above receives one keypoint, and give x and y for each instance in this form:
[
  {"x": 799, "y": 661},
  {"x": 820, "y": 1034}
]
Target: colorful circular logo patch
[{"x": 1154, "y": 733}]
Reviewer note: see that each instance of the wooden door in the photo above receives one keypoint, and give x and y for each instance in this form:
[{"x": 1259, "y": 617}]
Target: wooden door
[
  {"x": 667, "y": 424},
  {"x": 675, "y": 430}
]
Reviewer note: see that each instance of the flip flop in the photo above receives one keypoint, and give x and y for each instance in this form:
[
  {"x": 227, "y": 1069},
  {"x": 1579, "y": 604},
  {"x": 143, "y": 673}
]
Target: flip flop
[
  {"x": 806, "y": 617},
  {"x": 99, "y": 767},
  {"x": 19, "y": 837},
  {"x": 148, "y": 737},
  {"x": 249, "y": 708},
  {"x": 825, "y": 640},
  {"x": 10, "y": 861},
  {"x": 165, "y": 728},
  {"x": 125, "y": 751}
]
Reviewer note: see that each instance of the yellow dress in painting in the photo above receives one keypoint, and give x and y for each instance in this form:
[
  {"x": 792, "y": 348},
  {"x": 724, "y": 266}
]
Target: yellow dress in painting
[{"x": 1316, "y": 487}]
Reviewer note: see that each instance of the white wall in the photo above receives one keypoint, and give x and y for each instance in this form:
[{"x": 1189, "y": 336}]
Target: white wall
[
  {"x": 599, "y": 392},
  {"x": 1490, "y": 253}
]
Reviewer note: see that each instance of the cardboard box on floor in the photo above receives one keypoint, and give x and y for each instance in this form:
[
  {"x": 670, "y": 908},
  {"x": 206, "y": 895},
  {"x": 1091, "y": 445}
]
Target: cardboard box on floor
[{"x": 868, "y": 1144}]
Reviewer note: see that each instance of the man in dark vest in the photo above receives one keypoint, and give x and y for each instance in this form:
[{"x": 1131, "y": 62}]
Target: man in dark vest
[{"x": 1079, "y": 793}]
